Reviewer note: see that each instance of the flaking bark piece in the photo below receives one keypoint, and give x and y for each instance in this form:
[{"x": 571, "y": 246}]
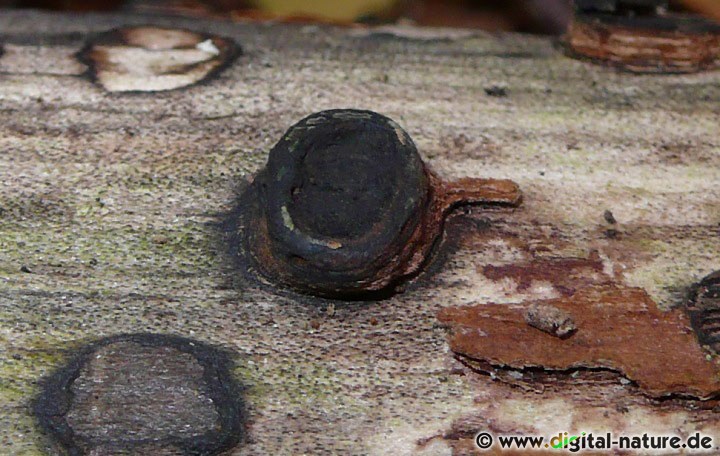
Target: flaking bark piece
[{"x": 618, "y": 328}]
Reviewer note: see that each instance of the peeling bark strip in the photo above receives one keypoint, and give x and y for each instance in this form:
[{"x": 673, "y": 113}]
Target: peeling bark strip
[
  {"x": 346, "y": 207},
  {"x": 647, "y": 45},
  {"x": 149, "y": 59},
  {"x": 618, "y": 328},
  {"x": 143, "y": 394}
]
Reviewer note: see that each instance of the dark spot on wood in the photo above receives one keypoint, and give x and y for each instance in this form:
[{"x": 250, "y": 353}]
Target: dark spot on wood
[
  {"x": 150, "y": 58},
  {"x": 496, "y": 91},
  {"x": 704, "y": 311},
  {"x": 609, "y": 217},
  {"x": 143, "y": 394},
  {"x": 612, "y": 233}
]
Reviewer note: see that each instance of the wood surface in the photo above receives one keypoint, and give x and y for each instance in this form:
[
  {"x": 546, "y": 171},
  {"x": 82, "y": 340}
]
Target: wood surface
[{"x": 110, "y": 204}]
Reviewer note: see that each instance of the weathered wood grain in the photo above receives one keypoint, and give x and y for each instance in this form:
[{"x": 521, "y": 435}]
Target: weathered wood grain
[{"x": 111, "y": 202}]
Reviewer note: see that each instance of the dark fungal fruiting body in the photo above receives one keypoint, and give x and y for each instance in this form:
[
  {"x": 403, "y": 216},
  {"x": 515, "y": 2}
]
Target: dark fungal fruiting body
[
  {"x": 342, "y": 195},
  {"x": 704, "y": 311},
  {"x": 346, "y": 207},
  {"x": 143, "y": 394}
]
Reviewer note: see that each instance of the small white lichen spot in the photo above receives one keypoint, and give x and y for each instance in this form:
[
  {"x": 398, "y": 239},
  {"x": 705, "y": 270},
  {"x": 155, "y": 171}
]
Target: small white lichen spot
[{"x": 209, "y": 47}]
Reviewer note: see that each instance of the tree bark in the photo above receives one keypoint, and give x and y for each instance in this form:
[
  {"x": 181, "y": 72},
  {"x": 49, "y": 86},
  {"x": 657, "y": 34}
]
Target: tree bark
[{"x": 111, "y": 203}]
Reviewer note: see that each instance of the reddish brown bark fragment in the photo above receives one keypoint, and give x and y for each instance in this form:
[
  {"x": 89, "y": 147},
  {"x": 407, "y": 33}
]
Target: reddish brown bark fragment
[{"x": 619, "y": 328}]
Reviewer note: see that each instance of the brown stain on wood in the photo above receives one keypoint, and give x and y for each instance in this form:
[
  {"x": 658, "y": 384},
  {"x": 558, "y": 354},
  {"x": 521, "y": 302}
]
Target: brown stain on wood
[
  {"x": 566, "y": 274},
  {"x": 618, "y": 328}
]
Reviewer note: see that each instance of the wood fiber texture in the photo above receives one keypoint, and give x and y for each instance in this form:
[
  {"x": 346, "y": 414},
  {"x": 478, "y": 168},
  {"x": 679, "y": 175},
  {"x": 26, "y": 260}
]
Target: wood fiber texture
[{"x": 110, "y": 205}]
